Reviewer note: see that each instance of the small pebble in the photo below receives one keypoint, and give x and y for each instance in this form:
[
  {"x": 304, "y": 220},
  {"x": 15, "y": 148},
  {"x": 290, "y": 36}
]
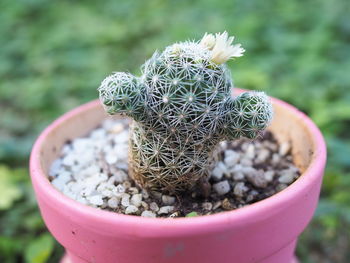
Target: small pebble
[
  {"x": 217, "y": 173},
  {"x": 69, "y": 160},
  {"x": 223, "y": 167},
  {"x": 286, "y": 177},
  {"x": 127, "y": 184},
  {"x": 246, "y": 162},
  {"x": 144, "y": 205},
  {"x": 120, "y": 176},
  {"x": 136, "y": 200},
  {"x": 250, "y": 153},
  {"x": 272, "y": 146},
  {"x": 244, "y": 146},
  {"x": 222, "y": 187},
  {"x": 81, "y": 144},
  {"x": 120, "y": 189},
  {"x": 122, "y": 165},
  {"x": 248, "y": 171},
  {"x": 67, "y": 149},
  {"x": 157, "y": 195},
  {"x": 217, "y": 205},
  {"x": 125, "y": 200},
  {"x": 165, "y": 210},
  {"x": 168, "y": 200},
  {"x": 58, "y": 184},
  {"x": 131, "y": 209},
  {"x": 154, "y": 207},
  {"x": 263, "y": 154},
  {"x": 257, "y": 178},
  {"x": 231, "y": 158},
  {"x": 240, "y": 189},
  {"x": 95, "y": 200},
  {"x": 207, "y": 206},
  {"x": 111, "y": 159},
  {"x": 176, "y": 214},
  {"x": 122, "y": 137},
  {"x": 238, "y": 176},
  {"x": 117, "y": 128},
  {"x": 251, "y": 196},
  {"x": 98, "y": 134},
  {"x": 88, "y": 190},
  {"x": 269, "y": 175},
  {"x": 254, "y": 192},
  {"x": 145, "y": 194},
  {"x": 276, "y": 158},
  {"x": 113, "y": 202},
  {"x": 237, "y": 168},
  {"x": 55, "y": 168},
  {"x": 226, "y": 204},
  {"x": 147, "y": 213},
  {"x": 284, "y": 148},
  {"x": 133, "y": 190}
]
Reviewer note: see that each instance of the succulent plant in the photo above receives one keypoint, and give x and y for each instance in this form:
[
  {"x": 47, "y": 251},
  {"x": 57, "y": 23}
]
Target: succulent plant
[{"x": 182, "y": 108}]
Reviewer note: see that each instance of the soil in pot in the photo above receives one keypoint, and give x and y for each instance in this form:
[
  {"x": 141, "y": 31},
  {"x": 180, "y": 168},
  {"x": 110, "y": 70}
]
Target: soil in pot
[{"x": 93, "y": 170}]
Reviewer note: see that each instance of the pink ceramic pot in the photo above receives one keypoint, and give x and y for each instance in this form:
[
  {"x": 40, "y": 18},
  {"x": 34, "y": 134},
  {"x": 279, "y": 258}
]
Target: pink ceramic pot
[{"x": 264, "y": 232}]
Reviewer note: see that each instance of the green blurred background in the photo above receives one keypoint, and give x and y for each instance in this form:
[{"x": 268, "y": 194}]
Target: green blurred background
[{"x": 53, "y": 55}]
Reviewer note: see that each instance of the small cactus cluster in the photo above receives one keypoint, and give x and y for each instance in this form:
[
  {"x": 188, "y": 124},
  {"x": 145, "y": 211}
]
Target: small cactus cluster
[{"x": 182, "y": 108}]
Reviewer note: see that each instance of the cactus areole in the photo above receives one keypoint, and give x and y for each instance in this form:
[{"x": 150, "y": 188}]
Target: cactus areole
[{"x": 182, "y": 108}]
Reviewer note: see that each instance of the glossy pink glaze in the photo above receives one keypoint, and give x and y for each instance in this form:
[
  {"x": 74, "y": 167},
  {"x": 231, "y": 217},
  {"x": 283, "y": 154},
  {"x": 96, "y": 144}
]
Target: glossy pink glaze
[{"x": 264, "y": 232}]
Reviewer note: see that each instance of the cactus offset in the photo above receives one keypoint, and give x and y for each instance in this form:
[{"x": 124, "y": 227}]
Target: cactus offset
[{"x": 182, "y": 108}]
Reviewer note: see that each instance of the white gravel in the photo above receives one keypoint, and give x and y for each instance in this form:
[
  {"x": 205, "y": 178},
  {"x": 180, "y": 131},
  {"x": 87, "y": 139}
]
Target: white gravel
[{"x": 94, "y": 171}]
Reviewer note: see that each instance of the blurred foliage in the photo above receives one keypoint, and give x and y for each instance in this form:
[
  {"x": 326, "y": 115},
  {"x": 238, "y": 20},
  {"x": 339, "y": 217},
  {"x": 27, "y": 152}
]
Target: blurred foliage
[
  {"x": 8, "y": 187},
  {"x": 40, "y": 249},
  {"x": 55, "y": 53}
]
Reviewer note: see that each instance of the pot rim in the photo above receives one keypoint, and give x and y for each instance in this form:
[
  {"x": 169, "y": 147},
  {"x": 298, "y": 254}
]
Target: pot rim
[{"x": 253, "y": 212}]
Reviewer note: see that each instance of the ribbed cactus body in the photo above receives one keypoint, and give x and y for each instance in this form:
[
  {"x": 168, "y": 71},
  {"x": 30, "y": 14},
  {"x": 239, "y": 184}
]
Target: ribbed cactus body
[
  {"x": 182, "y": 107},
  {"x": 185, "y": 90},
  {"x": 122, "y": 93},
  {"x": 164, "y": 163},
  {"x": 247, "y": 115}
]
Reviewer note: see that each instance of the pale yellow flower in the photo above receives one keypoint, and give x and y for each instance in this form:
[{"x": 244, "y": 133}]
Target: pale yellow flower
[
  {"x": 208, "y": 40},
  {"x": 223, "y": 49}
]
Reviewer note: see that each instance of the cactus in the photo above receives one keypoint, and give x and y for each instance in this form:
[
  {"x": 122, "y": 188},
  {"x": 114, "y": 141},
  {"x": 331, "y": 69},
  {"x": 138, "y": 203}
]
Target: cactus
[{"x": 182, "y": 108}]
